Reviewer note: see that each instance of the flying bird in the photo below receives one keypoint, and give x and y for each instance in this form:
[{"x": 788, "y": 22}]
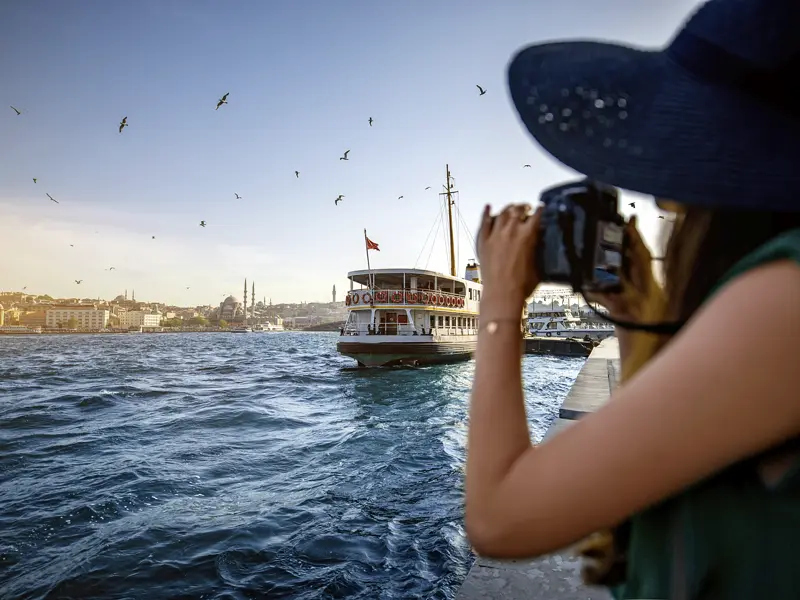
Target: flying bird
[
  {"x": 297, "y": 174},
  {"x": 202, "y": 223},
  {"x": 72, "y": 245},
  {"x": 526, "y": 166},
  {"x": 153, "y": 237},
  {"x": 19, "y": 112},
  {"x": 187, "y": 287},
  {"x": 34, "y": 180},
  {"x": 223, "y": 100},
  {"x": 51, "y": 198},
  {"x": 25, "y": 288},
  {"x": 112, "y": 268},
  {"x": 400, "y": 197},
  {"x": 345, "y": 155},
  {"x": 123, "y": 124},
  {"x": 238, "y": 197},
  {"x": 660, "y": 216},
  {"x": 339, "y": 199},
  {"x": 78, "y": 281},
  {"x": 632, "y": 204},
  {"x": 427, "y": 188},
  {"x": 481, "y": 90},
  {"x": 370, "y": 121}
]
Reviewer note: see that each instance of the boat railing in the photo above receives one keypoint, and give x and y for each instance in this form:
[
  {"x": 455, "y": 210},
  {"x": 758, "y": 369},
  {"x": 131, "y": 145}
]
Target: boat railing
[
  {"x": 418, "y": 297},
  {"x": 405, "y": 329}
]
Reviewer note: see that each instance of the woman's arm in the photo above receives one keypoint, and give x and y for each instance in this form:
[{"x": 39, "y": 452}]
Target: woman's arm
[{"x": 723, "y": 389}]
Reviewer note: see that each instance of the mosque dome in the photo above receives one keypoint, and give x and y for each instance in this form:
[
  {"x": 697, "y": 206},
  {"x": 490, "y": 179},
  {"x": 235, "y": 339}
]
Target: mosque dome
[{"x": 231, "y": 300}]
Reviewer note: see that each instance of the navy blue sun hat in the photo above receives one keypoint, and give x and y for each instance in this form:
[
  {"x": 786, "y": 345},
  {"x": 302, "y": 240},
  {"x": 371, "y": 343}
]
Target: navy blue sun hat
[{"x": 711, "y": 120}]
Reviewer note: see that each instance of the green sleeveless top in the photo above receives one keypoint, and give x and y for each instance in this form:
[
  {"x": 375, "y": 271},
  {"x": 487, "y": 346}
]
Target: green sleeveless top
[{"x": 730, "y": 536}]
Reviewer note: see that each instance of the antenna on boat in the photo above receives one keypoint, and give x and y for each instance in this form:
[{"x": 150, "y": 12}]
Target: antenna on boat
[{"x": 450, "y": 220}]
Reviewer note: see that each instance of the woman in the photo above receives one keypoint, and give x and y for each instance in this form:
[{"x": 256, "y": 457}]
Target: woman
[{"x": 691, "y": 472}]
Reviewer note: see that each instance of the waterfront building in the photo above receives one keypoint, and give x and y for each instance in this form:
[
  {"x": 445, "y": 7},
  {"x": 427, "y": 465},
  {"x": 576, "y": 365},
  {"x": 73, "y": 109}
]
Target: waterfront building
[
  {"x": 2, "y": 315},
  {"x": 229, "y": 309},
  {"x": 139, "y": 318},
  {"x": 87, "y": 316}
]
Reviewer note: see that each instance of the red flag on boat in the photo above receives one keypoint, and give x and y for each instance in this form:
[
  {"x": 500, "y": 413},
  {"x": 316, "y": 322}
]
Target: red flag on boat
[{"x": 371, "y": 245}]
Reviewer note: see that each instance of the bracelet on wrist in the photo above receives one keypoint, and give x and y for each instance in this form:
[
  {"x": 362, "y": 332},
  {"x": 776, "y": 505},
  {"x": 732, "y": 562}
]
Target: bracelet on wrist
[{"x": 492, "y": 325}]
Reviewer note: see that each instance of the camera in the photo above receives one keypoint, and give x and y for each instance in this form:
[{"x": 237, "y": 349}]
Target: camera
[{"x": 582, "y": 237}]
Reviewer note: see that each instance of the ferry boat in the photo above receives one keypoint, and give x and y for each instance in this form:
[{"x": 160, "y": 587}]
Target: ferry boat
[
  {"x": 241, "y": 329},
  {"x": 412, "y": 317},
  {"x": 560, "y": 322}
]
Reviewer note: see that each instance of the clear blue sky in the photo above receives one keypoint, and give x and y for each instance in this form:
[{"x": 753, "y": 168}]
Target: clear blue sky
[{"x": 304, "y": 76}]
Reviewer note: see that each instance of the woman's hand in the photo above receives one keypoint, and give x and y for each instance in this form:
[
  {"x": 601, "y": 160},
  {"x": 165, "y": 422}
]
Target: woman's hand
[
  {"x": 506, "y": 246},
  {"x": 640, "y": 289}
]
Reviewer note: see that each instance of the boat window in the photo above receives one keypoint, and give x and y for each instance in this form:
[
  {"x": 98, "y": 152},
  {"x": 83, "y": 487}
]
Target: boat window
[
  {"x": 441, "y": 321},
  {"x": 433, "y": 321},
  {"x": 470, "y": 293},
  {"x": 551, "y": 325}
]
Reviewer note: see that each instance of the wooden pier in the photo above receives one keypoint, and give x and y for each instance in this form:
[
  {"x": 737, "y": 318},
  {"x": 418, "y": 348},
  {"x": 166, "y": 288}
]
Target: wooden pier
[{"x": 556, "y": 576}]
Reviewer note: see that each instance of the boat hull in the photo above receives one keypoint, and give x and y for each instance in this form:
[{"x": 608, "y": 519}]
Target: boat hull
[{"x": 391, "y": 354}]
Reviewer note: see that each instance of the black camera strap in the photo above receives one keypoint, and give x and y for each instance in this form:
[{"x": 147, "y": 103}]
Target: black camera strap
[{"x": 657, "y": 328}]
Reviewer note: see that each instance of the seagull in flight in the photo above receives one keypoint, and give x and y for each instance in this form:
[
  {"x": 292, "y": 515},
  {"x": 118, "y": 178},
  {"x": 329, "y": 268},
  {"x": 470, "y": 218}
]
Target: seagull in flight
[
  {"x": 223, "y": 100},
  {"x": 187, "y": 287},
  {"x": 297, "y": 174},
  {"x": 400, "y": 197},
  {"x": 526, "y": 166},
  {"x": 238, "y": 197},
  {"x": 345, "y": 155},
  {"x": 153, "y": 237},
  {"x": 123, "y": 124},
  {"x": 34, "y": 180},
  {"x": 19, "y": 112},
  {"x": 202, "y": 223},
  {"x": 112, "y": 268},
  {"x": 25, "y": 288},
  {"x": 427, "y": 188},
  {"x": 51, "y": 198},
  {"x": 632, "y": 204},
  {"x": 78, "y": 281},
  {"x": 370, "y": 121},
  {"x": 339, "y": 199},
  {"x": 481, "y": 90},
  {"x": 660, "y": 216},
  {"x": 72, "y": 245}
]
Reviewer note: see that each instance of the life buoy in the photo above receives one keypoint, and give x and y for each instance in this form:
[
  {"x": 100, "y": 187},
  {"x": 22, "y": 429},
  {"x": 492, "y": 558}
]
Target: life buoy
[
  {"x": 366, "y": 297},
  {"x": 355, "y": 298},
  {"x": 381, "y": 296},
  {"x": 460, "y": 303},
  {"x": 397, "y": 297},
  {"x": 425, "y": 298},
  {"x": 548, "y": 334},
  {"x": 440, "y": 301},
  {"x": 347, "y": 300},
  {"x": 415, "y": 298},
  {"x": 449, "y": 301},
  {"x": 432, "y": 299},
  {"x": 409, "y": 297}
]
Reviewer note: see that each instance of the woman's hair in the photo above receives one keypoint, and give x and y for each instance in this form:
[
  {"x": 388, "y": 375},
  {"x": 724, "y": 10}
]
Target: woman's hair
[{"x": 702, "y": 246}]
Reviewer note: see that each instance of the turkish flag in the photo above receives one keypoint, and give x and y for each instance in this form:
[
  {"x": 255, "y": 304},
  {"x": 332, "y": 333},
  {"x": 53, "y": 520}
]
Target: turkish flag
[{"x": 372, "y": 245}]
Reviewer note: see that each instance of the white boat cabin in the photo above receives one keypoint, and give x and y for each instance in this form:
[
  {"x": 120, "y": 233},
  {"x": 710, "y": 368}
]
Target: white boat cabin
[{"x": 412, "y": 302}]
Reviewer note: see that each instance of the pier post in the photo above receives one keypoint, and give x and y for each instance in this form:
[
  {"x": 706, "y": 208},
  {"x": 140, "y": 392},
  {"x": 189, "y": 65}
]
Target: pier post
[{"x": 556, "y": 576}]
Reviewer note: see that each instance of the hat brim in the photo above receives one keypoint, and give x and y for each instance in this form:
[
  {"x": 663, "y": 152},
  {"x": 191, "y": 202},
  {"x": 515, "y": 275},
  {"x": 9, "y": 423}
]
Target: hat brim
[{"x": 636, "y": 120}]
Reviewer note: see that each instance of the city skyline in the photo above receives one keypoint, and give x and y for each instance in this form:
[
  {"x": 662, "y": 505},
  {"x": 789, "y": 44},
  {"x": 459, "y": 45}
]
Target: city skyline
[{"x": 303, "y": 81}]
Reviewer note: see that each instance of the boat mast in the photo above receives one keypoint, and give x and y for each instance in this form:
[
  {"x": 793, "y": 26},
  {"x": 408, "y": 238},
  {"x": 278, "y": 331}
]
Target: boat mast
[{"x": 450, "y": 219}]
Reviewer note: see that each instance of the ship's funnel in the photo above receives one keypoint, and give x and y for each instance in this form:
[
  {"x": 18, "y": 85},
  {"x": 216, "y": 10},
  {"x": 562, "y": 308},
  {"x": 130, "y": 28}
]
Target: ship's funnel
[{"x": 473, "y": 271}]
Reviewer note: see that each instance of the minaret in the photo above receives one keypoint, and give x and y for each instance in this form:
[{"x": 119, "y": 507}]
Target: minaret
[
  {"x": 126, "y": 294},
  {"x": 334, "y": 293},
  {"x": 245, "y": 300},
  {"x": 133, "y": 295},
  {"x": 253, "y": 301}
]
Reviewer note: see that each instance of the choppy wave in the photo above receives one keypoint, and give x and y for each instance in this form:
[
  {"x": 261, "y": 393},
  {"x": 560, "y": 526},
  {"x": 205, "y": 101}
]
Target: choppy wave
[{"x": 224, "y": 466}]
